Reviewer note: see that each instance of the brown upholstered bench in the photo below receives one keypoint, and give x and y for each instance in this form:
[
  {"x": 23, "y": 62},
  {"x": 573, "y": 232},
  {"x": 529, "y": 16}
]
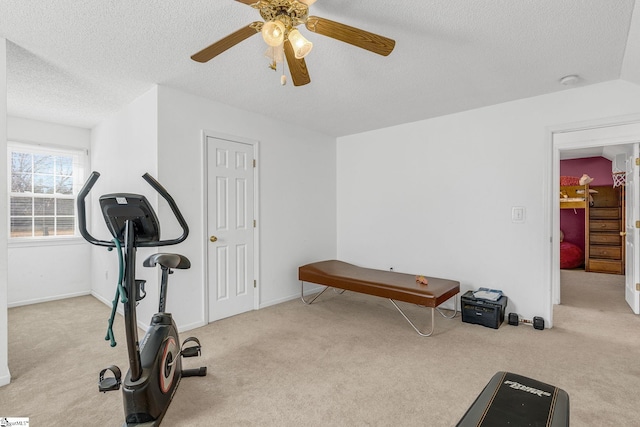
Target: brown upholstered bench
[{"x": 385, "y": 284}]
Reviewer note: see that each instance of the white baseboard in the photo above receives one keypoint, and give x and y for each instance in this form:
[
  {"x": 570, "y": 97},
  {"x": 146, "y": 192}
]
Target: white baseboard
[
  {"x": 141, "y": 324},
  {"x": 194, "y": 325},
  {"x": 47, "y": 299},
  {"x": 308, "y": 290},
  {"x": 102, "y": 299},
  {"x": 5, "y": 379},
  {"x": 120, "y": 311}
]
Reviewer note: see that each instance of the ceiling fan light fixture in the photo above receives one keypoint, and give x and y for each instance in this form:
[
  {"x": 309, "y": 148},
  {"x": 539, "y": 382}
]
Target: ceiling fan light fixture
[
  {"x": 273, "y": 33},
  {"x": 280, "y": 19},
  {"x": 275, "y": 53},
  {"x": 301, "y": 46}
]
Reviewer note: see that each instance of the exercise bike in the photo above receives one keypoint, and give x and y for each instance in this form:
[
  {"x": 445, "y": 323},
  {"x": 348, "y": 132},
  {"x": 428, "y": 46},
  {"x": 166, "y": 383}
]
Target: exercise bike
[{"x": 155, "y": 364}]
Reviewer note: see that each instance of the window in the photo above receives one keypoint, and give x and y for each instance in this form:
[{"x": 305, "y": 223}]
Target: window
[{"x": 43, "y": 185}]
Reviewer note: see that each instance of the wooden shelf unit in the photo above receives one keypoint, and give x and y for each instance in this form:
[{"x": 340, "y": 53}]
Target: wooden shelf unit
[
  {"x": 604, "y": 231},
  {"x": 574, "y": 197}
]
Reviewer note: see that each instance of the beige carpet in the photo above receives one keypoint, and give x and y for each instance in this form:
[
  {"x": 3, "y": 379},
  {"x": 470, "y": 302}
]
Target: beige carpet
[{"x": 347, "y": 360}]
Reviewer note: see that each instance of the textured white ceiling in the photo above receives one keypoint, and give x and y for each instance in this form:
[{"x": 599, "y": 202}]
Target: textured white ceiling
[{"x": 76, "y": 62}]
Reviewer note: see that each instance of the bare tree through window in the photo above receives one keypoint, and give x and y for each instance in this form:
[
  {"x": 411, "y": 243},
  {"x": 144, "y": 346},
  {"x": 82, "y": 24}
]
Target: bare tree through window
[{"x": 42, "y": 198}]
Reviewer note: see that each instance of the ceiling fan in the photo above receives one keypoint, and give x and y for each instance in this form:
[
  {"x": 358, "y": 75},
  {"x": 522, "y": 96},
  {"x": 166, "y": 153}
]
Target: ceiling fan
[{"x": 281, "y": 17}]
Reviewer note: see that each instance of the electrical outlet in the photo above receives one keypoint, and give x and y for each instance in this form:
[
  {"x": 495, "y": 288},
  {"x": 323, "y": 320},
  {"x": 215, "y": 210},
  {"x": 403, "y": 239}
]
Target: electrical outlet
[{"x": 106, "y": 274}]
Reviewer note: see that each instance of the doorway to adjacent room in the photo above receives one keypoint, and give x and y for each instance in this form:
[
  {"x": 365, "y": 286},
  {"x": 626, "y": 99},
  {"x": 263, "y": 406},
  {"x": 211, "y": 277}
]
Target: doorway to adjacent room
[{"x": 592, "y": 140}]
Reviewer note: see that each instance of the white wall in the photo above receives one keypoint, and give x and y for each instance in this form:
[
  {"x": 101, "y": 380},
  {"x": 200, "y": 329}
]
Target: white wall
[
  {"x": 631, "y": 63},
  {"x": 161, "y": 133},
  {"x": 5, "y": 376},
  {"x": 434, "y": 197},
  {"x": 297, "y": 222},
  {"x": 123, "y": 148},
  {"x": 52, "y": 270},
  {"x": 38, "y": 132}
]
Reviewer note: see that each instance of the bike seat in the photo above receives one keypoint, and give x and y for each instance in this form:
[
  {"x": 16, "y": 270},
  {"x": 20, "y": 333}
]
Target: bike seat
[{"x": 168, "y": 261}]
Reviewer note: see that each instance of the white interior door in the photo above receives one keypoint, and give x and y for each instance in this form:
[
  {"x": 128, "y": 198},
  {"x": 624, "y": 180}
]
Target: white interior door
[
  {"x": 632, "y": 201},
  {"x": 230, "y": 225}
]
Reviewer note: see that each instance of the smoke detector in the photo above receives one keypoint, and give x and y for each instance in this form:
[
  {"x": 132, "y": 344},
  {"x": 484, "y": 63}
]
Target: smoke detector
[{"x": 570, "y": 80}]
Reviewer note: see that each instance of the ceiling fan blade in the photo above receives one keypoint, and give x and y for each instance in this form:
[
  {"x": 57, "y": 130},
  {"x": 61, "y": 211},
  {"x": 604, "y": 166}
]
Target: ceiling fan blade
[
  {"x": 297, "y": 67},
  {"x": 231, "y": 40},
  {"x": 355, "y": 36}
]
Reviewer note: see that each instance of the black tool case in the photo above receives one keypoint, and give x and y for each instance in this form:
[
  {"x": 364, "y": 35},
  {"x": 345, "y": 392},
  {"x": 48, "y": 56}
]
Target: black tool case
[{"x": 483, "y": 312}]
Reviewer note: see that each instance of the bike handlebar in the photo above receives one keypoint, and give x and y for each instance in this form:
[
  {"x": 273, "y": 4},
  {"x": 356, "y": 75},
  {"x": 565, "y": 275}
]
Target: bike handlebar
[
  {"x": 82, "y": 217},
  {"x": 174, "y": 208}
]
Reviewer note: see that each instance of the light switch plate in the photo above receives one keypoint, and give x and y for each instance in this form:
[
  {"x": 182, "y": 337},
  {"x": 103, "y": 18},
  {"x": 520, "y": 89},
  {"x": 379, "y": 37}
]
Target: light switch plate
[{"x": 518, "y": 214}]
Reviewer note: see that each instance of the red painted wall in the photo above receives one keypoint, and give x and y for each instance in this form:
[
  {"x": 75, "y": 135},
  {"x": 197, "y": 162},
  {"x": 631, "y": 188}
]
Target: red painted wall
[{"x": 598, "y": 168}]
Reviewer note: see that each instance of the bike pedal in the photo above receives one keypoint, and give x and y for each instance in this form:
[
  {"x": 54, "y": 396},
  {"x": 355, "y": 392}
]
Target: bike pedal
[
  {"x": 109, "y": 383},
  {"x": 192, "y": 351}
]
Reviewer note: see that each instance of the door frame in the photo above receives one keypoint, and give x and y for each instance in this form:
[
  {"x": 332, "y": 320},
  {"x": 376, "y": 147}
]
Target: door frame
[
  {"x": 256, "y": 214},
  {"x": 594, "y": 133},
  {"x": 632, "y": 232}
]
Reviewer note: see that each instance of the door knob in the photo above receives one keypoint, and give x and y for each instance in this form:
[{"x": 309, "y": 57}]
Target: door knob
[{"x": 213, "y": 239}]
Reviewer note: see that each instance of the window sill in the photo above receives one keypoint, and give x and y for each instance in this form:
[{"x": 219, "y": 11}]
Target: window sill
[{"x": 39, "y": 242}]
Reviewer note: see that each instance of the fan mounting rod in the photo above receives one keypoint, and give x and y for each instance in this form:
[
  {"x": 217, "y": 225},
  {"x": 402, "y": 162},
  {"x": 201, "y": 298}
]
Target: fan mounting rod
[{"x": 290, "y": 12}]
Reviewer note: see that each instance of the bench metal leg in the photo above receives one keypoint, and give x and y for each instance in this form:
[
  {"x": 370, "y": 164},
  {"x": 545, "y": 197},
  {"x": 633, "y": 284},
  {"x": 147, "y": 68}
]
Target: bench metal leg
[
  {"x": 338, "y": 291},
  {"x": 455, "y": 309},
  {"x": 314, "y": 298},
  {"x": 433, "y": 310},
  {"x": 422, "y": 334}
]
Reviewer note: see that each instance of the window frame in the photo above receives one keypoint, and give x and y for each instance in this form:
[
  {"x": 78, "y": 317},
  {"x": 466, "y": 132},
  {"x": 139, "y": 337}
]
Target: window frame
[{"x": 79, "y": 165}]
